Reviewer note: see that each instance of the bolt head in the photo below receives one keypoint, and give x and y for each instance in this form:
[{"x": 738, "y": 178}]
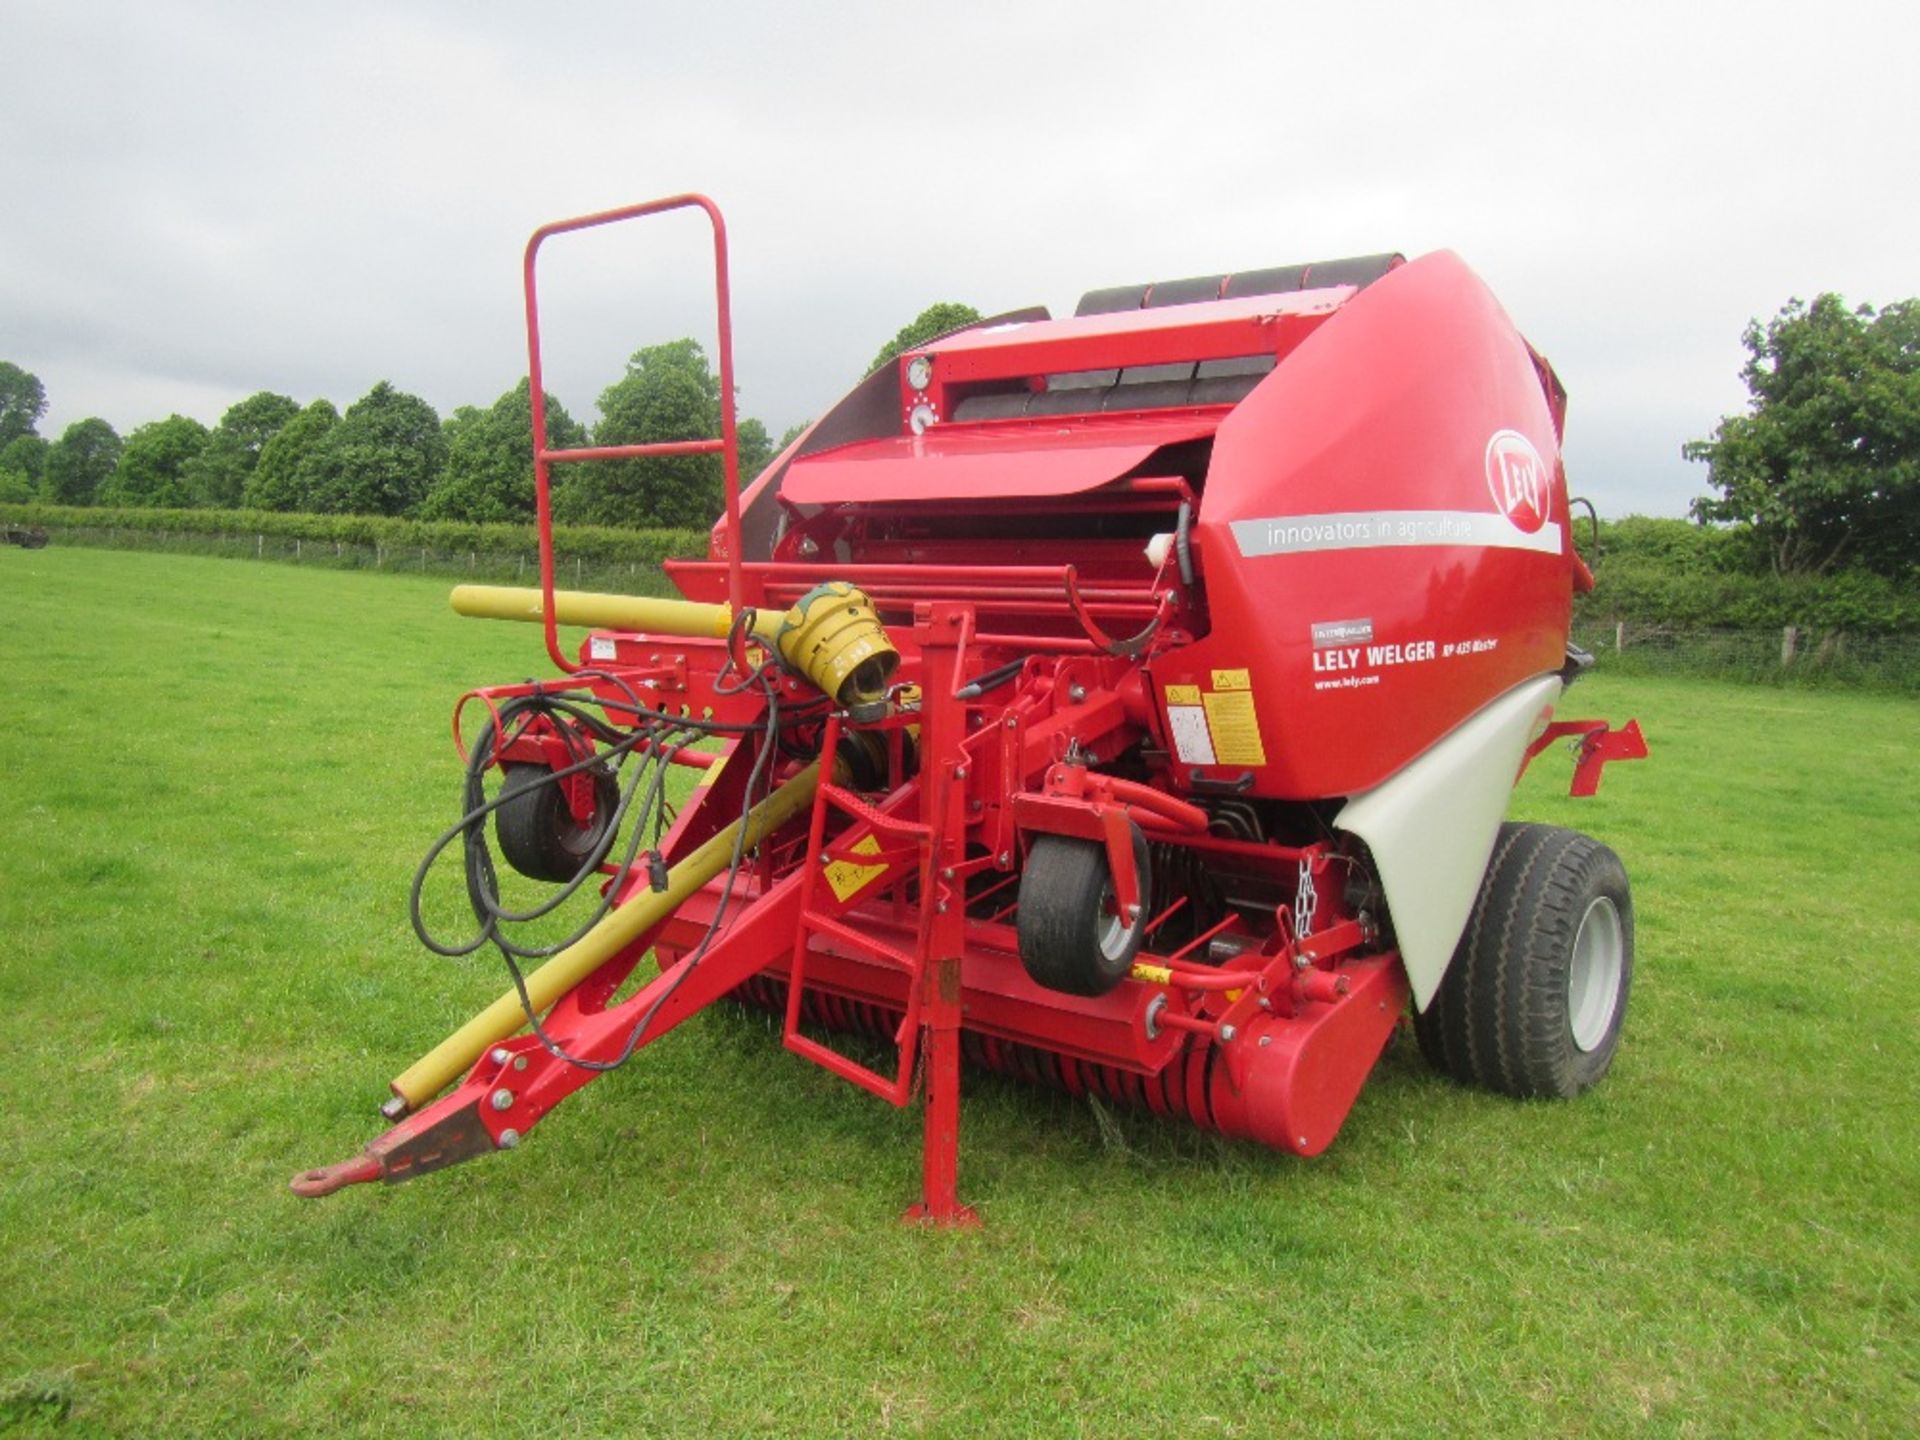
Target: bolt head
[
  {"x": 503, "y": 1099},
  {"x": 1227, "y": 1032},
  {"x": 1076, "y": 693},
  {"x": 500, "y": 1055},
  {"x": 1006, "y": 858},
  {"x": 519, "y": 1062},
  {"x": 1265, "y": 1040},
  {"x": 509, "y": 1139}
]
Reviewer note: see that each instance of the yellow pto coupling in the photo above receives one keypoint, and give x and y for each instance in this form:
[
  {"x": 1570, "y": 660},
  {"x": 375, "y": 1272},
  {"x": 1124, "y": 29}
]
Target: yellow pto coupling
[{"x": 833, "y": 637}]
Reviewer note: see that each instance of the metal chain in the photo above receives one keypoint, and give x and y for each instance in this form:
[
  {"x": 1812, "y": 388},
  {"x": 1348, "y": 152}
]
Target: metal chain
[{"x": 1305, "y": 899}]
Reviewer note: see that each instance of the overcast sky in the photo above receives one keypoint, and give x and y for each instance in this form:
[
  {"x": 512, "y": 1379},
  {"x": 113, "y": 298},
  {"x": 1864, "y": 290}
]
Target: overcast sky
[{"x": 204, "y": 200}]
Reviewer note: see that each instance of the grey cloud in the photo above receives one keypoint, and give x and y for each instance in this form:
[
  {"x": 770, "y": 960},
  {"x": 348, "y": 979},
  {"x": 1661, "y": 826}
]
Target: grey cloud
[{"x": 219, "y": 198}]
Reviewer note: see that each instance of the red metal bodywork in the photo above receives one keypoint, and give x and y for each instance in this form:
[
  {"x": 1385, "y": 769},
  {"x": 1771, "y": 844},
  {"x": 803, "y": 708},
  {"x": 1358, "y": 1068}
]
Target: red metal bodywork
[{"x": 1376, "y": 544}]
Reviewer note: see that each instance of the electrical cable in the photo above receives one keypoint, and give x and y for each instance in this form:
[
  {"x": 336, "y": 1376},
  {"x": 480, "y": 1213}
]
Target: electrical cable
[{"x": 647, "y": 752}]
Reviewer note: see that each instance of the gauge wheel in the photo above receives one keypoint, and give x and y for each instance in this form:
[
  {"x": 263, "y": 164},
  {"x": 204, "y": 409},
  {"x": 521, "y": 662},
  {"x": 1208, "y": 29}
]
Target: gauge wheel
[
  {"x": 1072, "y": 936},
  {"x": 538, "y": 833}
]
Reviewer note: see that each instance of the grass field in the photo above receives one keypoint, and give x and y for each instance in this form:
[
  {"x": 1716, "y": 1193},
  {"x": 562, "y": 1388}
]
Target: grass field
[{"x": 216, "y": 778}]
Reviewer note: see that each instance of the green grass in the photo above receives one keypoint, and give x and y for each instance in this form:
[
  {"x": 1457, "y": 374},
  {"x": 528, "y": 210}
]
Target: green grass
[{"x": 216, "y": 777}]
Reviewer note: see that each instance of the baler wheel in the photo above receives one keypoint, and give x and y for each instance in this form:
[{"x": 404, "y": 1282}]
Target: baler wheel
[
  {"x": 1072, "y": 939},
  {"x": 538, "y": 835},
  {"x": 1534, "y": 999}
]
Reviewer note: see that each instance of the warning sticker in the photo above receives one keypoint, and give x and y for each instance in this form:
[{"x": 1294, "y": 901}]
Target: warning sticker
[
  {"x": 1183, "y": 694},
  {"x": 1235, "y": 728},
  {"x": 846, "y": 877},
  {"x": 1191, "y": 740},
  {"x": 601, "y": 647},
  {"x": 1232, "y": 680}
]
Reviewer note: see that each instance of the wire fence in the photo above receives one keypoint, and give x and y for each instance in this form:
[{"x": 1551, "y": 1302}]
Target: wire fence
[
  {"x": 1795, "y": 655},
  {"x": 629, "y": 577}
]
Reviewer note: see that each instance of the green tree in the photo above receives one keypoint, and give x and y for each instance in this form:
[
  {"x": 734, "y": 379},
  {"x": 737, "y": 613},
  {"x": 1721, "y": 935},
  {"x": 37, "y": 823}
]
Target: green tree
[
  {"x": 1825, "y": 466},
  {"x": 381, "y": 459},
  {"x": 489, "y": 471},
  {"x": 463, "y": 416},
  {"x": 756, "y": 448},
  {"x": 27, "y": 454},
  {"x": 153, "y": 465},
  {"x": 218, "y": 475},
  {"x": 668, "y": 393},
  {"x": 275, "y": 481},
  {"x": 935, "y": 320},
  {"x": 791, "y": 434},
  {"x": 79, "y": 462},
  {"x": 23, "y": 400},
  {"x": 16, "y": 486}
]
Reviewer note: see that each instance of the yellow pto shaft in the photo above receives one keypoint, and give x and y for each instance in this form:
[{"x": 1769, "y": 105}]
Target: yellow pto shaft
[
  {"x": 831, "y": 635},
  {"x": 452, "y": 1057},
  {"x": 608, "y": 612}
]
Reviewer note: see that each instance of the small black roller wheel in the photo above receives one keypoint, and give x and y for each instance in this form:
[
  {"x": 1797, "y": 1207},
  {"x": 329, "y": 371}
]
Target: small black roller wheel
[
  {"x": 1533, "y": 1001},
  {"x": 538, "y": 835},
  {"x": 1072, "y": 935}
]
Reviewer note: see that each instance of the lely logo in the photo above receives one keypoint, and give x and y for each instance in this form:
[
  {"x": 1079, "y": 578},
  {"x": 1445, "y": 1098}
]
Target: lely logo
[{"x": 1517, "y": 476}]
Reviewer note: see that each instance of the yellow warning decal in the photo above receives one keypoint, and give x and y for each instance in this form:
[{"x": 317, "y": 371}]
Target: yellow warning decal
[
  {"x": 1232, "y": 680},
  {"x": 846, "y": 877},
  {"x": 1235, "y": 727},
  {"x": 1183, "y": 694}
]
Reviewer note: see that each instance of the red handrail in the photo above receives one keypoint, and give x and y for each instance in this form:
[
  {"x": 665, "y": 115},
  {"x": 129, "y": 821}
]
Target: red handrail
[{"x": 728, "y": 443}]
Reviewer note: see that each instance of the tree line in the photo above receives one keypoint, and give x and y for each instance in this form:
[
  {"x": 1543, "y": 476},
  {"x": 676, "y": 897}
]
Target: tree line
[
  {"x": 391, "y": 454},
  {"x": 1821, "y": 475}
]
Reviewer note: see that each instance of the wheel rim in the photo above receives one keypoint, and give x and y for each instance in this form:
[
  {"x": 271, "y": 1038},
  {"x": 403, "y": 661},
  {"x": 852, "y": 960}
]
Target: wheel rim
[
  {"x": 1593, "y": 980},
  {"x": 1113, "y": 933}
]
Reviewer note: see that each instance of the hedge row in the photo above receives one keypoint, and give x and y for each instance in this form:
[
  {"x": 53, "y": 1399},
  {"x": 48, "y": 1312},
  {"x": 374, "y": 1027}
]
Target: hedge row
[
  {"x": 594, "y": 543},
  {"x": 1687, "y": 576},
  {"x": 1651, "y": 572}
]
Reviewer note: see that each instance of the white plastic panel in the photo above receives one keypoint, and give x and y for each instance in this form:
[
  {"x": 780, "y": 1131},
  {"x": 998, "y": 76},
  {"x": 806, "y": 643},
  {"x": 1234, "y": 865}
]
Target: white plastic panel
[{"x": 1431, "y": 828}]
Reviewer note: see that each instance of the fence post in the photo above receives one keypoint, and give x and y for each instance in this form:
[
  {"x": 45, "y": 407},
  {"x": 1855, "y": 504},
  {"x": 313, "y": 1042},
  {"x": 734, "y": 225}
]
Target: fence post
[
  {"x": 423, "y": 557},
  {"x": 576, "y": 572},
  {"x": 379, "y": 557},
  {"x": 1619, "y": 635},
  {"x": 1789, "y": 642},
  {"x": 259, "y": 546},
  {"x": 296, "y": 549}
]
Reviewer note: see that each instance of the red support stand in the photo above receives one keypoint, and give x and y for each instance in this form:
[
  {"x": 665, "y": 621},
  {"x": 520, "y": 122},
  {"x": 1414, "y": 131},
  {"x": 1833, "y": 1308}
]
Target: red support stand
[{"x": 942, "y": 631}]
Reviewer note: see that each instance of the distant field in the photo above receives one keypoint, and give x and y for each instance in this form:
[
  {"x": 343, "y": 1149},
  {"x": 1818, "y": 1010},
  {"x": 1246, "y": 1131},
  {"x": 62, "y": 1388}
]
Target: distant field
[{"x": 217, "y": 777}]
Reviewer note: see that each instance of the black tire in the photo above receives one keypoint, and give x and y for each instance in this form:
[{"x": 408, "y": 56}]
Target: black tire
[
  {"x": 1533, "y": 1001},
  {"x": 1070, "y": 939},
  {"x": 538, "y": 835}
]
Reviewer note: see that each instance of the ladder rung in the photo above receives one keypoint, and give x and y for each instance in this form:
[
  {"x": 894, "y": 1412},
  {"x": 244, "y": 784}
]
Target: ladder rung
[
  {"x": 860, "y": 810},
  {"x": 814, "y": 920}
]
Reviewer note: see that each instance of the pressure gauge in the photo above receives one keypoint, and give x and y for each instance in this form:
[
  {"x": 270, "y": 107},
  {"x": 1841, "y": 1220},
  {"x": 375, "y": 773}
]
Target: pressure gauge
[
  {"x": 920, "y": 417},
  {"x": 920, "y": 371}
]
